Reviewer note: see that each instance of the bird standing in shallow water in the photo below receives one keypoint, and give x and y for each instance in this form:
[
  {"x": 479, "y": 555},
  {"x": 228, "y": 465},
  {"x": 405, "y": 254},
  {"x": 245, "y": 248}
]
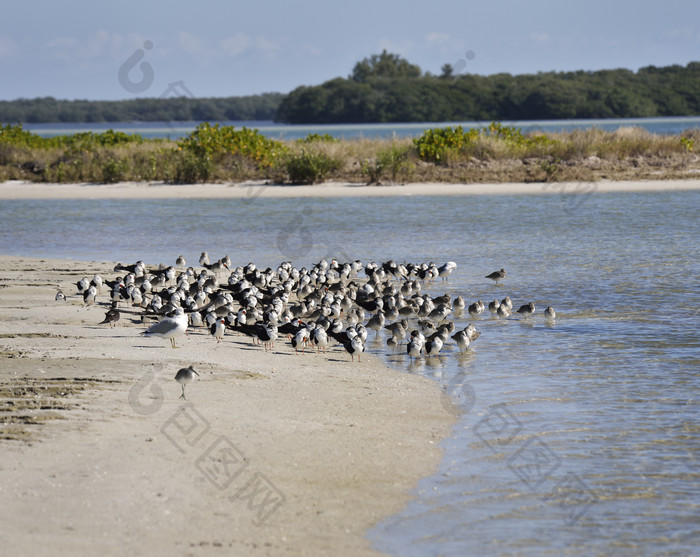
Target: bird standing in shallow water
[
  {"x": 527, "y": 310},
  {"x": 549, "y": 313},
  {"x": 184, "y": 376},
  {"x": 497, "y": 275},
  {"x": 462, "y": 340}
]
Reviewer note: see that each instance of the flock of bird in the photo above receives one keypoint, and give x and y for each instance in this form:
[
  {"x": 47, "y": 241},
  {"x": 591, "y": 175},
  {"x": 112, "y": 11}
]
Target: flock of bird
[{"x": 313, "y": 307}]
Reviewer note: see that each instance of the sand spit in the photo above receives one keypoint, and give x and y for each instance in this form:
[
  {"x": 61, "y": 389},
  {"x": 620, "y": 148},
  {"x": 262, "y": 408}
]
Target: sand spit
[
  {"x": 271, "y": 453},
  {"x": 250, "y": 191}
]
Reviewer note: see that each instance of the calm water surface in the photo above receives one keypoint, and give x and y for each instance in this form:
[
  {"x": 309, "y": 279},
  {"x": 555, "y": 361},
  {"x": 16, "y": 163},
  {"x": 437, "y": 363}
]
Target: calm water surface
[
  {"x": 174, "y": 130},
  {"x": 578, "y": 437}
]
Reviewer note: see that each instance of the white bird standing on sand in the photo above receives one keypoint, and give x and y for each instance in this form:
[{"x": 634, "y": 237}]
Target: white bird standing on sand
[
  {"x": 169, "y": 327},
  {"x": 180, "y": 262},
  {"x": 204, "y": 258},
  {"x": 89, "y": 295},
  {"x": 218, "y": 329},
  {"x": 355, "y": 346},
  {"x": 184, "y": 376}
]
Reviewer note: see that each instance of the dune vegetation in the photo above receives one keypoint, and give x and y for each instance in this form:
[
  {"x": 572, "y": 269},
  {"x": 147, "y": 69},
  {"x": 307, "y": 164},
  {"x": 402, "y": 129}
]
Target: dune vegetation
[{"x": 213, "y": 153}]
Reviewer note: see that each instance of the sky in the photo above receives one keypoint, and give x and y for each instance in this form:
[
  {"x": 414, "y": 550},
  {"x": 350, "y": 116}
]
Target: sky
[{"x": 124, "y": 49}]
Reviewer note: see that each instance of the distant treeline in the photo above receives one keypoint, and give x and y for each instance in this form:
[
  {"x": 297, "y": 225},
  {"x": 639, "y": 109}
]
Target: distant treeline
[
  {"x": 178, "y": 109},
  {"x": 387, "y": 88}
]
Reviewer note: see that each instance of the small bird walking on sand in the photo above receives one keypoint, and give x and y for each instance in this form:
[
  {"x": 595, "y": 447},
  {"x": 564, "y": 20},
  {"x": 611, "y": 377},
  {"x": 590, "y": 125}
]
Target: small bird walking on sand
[
  {"x": 497, "y": 275},
  {"x": 112, "y": 316},
  {"x": 184, "y": 376}
]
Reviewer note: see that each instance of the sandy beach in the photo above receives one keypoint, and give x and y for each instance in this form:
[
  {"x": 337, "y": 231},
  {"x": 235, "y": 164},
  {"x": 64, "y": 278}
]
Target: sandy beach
[
  {"x": 271, "y": 453},
  {"x": 253, "y": 190}
]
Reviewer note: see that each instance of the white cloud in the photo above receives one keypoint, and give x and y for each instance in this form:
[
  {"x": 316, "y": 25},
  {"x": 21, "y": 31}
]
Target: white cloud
[
  {"x": 438, "y": 38},
  {"x": 192, "y": 44},
  {"x": 100, "y": 44},
  {"x": 269, "y": 48},
  {"x": 233, "y": 46}
]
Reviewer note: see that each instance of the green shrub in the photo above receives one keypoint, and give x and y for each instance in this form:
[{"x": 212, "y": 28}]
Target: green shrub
[
  {"x": 434, "y": 144},
  {"x": 392, "y": 161},
  {"x": 310, "y": 167},
  {"x": 215, "y": 141},
  {"x": 114, "y": 170},
  {"x": 315, "y": 137},
  {"x": 192, "y": 169}
]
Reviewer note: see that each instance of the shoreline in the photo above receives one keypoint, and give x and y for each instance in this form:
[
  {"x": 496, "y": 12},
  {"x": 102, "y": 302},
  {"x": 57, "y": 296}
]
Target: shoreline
[
  {"x": 102, "y": 464},
  {"x": 249, "y": 191}
]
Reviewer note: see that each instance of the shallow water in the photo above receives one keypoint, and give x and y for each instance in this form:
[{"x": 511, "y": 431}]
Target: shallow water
[
  {"x": 577, "y": 437},
  {"x": 174, "y": 130}
]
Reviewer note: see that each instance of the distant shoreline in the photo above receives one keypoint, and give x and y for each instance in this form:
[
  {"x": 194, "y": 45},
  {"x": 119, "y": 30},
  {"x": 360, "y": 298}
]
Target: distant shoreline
[{"x": 249, "y": 191}]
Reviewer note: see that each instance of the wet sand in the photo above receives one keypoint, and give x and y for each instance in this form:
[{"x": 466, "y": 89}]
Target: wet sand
[
  {"x": 253, "y": 190},
  {"x": 271, "y": 453}
]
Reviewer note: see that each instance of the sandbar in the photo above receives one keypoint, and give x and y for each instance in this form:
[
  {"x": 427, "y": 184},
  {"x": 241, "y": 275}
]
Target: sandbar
[
  {"x": 253, "y": 190},
  {"x": 272, "y": 453}
]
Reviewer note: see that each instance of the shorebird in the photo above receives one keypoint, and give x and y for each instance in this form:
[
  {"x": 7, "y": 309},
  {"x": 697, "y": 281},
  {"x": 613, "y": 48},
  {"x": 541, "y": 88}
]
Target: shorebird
[
  {"x": 477, "y": 308},
  {"x": 319, "y": 337},
  {"x": 180, "y": 262},
  {"x": 170, "y": 327},
  {"x": 97, "y": 282},
  {"x": 462, "y": 340},
  {"x": 508, "y": 303},
  {"x": 497, "y": 275},
  {"x": 355, "y": 346},
  {"x": 433, "y": 347},
  {"x": 184, "y": 376},
  {"x": 82, "y": 285},
  {"x": 549, "y": 313},
  {"x": 217, "y": 329},
  {"x": 503, "y": 311},
  {"x": 472, "y": 333},
  {"x": 60, "y": 296},
  {"x": 415, "y": 345},
  {"x": 493, "y": 307},
  {"x": 89, "y": 295},
  {"x": 204, "y": 259},
  {"x": 527, "y": 310},
  {"x": 112, "y": 316},
  {"x": 376, "y": 322},
  {"x": 445, "y": 270}
]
